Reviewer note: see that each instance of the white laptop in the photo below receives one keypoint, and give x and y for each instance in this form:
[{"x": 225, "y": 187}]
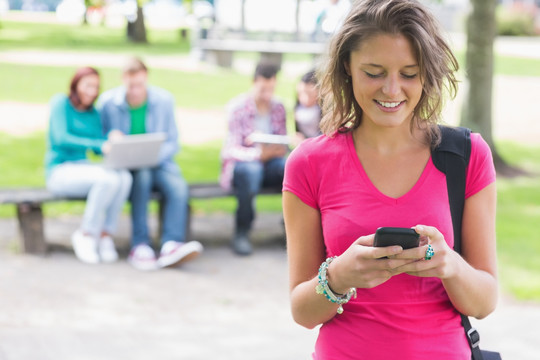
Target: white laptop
[{"x": 135, "y": 151}]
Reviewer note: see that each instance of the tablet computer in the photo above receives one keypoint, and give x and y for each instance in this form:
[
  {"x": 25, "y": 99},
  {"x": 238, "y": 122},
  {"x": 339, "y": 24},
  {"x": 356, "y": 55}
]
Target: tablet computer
[
  {"x": 260, "y": 138},
  {"x": 135, "y": 151}
]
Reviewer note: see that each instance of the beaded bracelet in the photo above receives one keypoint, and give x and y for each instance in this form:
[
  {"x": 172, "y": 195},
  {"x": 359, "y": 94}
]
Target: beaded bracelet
[{"x": 324, "y": 289}]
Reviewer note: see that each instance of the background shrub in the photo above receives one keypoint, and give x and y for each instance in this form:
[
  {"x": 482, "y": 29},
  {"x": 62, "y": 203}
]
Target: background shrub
[{"x": 515, "y": 21}]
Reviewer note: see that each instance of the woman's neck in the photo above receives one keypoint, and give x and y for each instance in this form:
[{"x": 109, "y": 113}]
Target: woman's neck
[
  {"x": 388, "y": 140},
  {"x": 82, "y": 107}
]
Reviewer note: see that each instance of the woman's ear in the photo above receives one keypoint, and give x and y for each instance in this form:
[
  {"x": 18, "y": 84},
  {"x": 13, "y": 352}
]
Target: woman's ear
[{"x": 347, "y": 67}]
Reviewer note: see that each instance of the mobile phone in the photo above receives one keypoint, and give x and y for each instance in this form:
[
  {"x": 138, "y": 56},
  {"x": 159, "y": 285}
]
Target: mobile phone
[{"x": 405, "y": 237}]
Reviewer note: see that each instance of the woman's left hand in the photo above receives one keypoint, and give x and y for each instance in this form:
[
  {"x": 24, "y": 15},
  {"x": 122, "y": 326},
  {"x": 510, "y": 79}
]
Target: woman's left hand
[{"x": 443, "y": 263}]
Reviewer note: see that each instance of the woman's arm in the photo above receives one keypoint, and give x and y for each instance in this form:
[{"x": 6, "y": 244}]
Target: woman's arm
[
  {"x": 474, "y": 289},
  {"x": 360, "y": 266},
  {"x": 306, "y": 252}
]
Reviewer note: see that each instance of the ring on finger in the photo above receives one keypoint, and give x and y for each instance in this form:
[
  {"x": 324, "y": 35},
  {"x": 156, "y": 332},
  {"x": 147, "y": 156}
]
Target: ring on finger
[{"x": 429, "y": 252}]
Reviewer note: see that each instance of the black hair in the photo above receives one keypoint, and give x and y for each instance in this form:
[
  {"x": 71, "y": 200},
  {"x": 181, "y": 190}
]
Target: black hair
[
  {"x": 309, "y": 78},
  {"x": 265, "y": 70}
]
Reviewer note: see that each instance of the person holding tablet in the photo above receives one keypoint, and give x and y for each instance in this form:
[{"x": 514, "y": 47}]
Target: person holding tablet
[
  {"x": 137, "y": 108},
  {"x": 247, "y": 164}
]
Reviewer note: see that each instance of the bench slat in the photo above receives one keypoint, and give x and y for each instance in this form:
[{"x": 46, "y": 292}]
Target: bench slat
[
  {"x": 263, "y": 46},
  {"x": 30, "y": 195},
  {"x": 42, "y": 195}
]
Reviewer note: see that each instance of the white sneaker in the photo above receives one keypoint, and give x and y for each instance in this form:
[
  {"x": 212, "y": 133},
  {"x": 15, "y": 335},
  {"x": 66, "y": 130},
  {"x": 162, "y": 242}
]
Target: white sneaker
[
  {"x": 85, "y": 247},
  {"x": 142, "y": 257},
  {"x": 174, "y": 253},
  {"x": 106, "y": 249}
]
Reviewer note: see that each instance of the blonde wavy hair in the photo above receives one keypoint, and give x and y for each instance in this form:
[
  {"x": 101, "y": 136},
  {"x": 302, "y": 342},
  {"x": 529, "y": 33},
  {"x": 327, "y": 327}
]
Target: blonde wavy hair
[{"x": 367, "y": 18}]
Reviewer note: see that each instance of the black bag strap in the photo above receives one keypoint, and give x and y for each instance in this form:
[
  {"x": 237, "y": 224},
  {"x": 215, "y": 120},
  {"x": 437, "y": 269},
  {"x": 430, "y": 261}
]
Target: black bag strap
[{"x": 451, "y": 157}]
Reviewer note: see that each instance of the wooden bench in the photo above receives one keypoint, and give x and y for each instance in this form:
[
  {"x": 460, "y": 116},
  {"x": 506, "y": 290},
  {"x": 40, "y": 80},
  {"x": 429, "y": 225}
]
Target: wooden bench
[
  {"x": 220, "y": 51},
  {"x": 29, "y": 201}
]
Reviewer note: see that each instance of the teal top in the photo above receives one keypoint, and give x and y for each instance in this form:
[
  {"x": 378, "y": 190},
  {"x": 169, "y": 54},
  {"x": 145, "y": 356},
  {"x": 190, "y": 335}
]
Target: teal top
[{"x": 71, "y": 133}]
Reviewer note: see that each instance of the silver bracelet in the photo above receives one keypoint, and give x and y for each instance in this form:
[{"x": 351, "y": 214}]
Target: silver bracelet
[{"x": 323, "y": 288}]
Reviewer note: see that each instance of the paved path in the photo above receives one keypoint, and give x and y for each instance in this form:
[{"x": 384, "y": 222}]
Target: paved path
[{"x": 217, "y": 307}]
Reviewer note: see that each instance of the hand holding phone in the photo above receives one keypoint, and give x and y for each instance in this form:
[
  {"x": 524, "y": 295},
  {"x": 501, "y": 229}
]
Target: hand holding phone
[{"x": 405, "y": 237}]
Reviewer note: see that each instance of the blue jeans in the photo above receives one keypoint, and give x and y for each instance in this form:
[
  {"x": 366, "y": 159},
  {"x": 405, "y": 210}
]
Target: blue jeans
[
  {"x": 106, "y": 191},
  {"x": 175, "y": 191},
  {"x": 249, "y": 177}
]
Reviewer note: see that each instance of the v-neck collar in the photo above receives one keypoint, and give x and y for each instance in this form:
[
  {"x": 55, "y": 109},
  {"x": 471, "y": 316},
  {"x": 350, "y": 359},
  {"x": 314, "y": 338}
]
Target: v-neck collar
[{"x": 383, "y": 197}]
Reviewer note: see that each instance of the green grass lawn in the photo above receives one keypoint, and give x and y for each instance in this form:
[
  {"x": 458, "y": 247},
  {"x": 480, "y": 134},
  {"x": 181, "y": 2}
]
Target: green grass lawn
[
  {"x": 518, "y": 215},
  {"x": 195, "y": 90},
  {"x": 87, "y": 38}
]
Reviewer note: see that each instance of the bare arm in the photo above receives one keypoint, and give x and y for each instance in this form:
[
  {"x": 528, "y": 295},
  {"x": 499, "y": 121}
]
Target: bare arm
[
  {"x": 306, "y": 252},
  {"x": 359, "y": 266},
  {"x": 474, "y": 289}
]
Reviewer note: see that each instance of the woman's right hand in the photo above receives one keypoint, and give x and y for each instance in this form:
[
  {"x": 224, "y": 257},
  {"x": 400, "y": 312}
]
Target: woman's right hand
[{"x": 364, "y": 266}]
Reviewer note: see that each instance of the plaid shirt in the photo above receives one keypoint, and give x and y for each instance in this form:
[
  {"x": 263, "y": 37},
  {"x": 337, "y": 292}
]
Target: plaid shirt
[{"x": 242, "y": 113}]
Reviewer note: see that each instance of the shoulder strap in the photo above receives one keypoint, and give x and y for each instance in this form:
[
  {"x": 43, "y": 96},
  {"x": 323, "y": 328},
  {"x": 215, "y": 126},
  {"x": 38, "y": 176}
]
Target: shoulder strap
[{"x": 452, "y": 158}]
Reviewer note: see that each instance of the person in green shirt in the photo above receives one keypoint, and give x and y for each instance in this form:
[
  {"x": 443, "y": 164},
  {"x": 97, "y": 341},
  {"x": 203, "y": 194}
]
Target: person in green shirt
[
  {"x": 135, "y": 108},
  {"x": 74, "y": 130}
]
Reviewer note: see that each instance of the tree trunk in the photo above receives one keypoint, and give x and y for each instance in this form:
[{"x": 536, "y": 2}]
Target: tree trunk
[
  {"x": 477, "y": 110},
  {"x": 136, "y": 31}
]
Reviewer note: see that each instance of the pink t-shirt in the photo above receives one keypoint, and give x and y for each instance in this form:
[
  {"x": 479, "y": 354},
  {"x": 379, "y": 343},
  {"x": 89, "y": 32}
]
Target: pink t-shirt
[{"x": 406, "y": 317}]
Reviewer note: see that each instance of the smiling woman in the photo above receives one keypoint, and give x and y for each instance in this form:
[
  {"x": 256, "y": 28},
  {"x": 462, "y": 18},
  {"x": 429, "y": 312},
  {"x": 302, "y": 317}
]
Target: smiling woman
[
  {"x": 429, "y": 58},
  {"x": 383, "y": 87},
  {"x": 386, "y": 87}
]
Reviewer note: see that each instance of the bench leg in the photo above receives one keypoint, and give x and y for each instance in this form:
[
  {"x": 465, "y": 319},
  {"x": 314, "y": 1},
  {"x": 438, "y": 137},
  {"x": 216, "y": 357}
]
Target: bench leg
[
  {"x": 222, "y": 58},
  {"x": 187, "y": 235},
  {"x": 161, "y": 209},
  {"x": 30, "y": 218}
]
